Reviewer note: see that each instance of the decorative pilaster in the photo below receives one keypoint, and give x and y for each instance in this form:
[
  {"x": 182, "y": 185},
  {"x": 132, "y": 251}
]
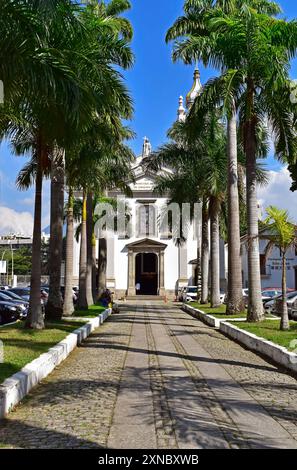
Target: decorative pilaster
[
  {"x": 110, "y": 274},
  {"x": 162, "y": 273},
  {"x": 131, "y": 273},
  {"x": 183, "y": 265}
]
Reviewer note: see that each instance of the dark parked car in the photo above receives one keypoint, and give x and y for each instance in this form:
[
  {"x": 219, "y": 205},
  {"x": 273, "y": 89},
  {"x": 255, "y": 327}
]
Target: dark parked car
[
  {"x": 22, "y": 304},
  {"x": 23, "y": 292},
  {"x": 8, "y": 313}
]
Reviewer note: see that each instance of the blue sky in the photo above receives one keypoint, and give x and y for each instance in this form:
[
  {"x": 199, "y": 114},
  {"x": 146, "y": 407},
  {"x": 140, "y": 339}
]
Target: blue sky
[{"x": 155, "y": 84}]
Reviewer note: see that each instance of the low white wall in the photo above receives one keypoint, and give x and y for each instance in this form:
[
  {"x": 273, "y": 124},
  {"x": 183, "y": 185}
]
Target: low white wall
[
  {"x": 16, "y": 387},
  {"x": 208, "y": 319},
  {"x": 277, "y": 353}
]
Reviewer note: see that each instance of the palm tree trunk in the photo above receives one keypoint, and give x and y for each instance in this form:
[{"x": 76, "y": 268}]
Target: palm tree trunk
[
  {"x": 235, "y": 303},
  {"x": 102, "y": 264},
  {"x": 89, "y": 292},
  {"x": 54, "y": 307},
  {"x": 82, "y": 299},
  {"x": 198, "y": 268},
  {"x": 35, "y": 317},
  {"x": 94, "y": 268},
  {"x": 68, "y": 307},
  {"x": 255, "y": 308},
  {"x": 214, "y": 207},
  {"x": 205, "y": 253},
  {"x": 285, "y": 324}
]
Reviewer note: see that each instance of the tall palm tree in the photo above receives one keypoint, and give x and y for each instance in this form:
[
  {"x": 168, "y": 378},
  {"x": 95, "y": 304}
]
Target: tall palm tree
[
  {"x": 117, "y": 54},
  {"x": 199, "y": 172},
  {"x": 54, "y": 306},
  {"x": 281, "y": 233},
  {"x": 205, "y": 252},
  {"x": 26, "y": 139},
  {"x": 243, "y": 40},
  {"x": 31, "y": 68},
  {"x": 68, "y": 306},
  {"x": 83, "y": 301},
  {"x": 104, "y": 167}
]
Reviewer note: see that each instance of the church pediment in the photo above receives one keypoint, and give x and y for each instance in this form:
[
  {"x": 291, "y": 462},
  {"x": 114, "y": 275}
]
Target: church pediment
[
  {"x": 147, "y": 243},
  {"x": 143, "y": 182}
]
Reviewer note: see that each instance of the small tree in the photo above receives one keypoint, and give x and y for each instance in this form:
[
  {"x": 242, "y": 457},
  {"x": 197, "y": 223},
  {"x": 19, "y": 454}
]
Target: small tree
[{"x": 282, "y": 234}]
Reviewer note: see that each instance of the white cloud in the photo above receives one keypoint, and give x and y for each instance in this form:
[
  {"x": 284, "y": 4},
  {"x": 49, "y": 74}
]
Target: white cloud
[
  {"x": 277, "y": 193},
  {"x": 12, "y": 221},
  {"x": 28, "y": 201}
]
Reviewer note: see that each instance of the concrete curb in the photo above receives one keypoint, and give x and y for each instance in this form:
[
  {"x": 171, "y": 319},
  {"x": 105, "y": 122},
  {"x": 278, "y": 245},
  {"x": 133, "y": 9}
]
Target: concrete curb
[
  {"x": 278, "y": 354},
  {"x": 205, "y": 318},
  {"x": 16, "y": 387}
]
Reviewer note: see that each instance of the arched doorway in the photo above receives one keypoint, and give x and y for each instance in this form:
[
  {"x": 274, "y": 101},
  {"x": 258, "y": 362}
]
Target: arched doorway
[{"x": 146, "y": 274}]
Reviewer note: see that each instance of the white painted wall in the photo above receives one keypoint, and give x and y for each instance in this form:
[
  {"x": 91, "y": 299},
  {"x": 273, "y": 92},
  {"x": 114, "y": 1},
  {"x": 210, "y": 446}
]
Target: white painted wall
[{"x": 273, "y": 276}]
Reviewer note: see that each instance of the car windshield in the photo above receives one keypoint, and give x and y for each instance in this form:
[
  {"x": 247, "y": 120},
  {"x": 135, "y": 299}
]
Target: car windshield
[
  {"x": 4, "y": 296},
  {"x": 22, "y": 292},
  {"x": 192, "y": 290},
  {"x": 269, "y": 293},
  {"x": 13, "y": 295},
  {"x": 292, "y": 295}
]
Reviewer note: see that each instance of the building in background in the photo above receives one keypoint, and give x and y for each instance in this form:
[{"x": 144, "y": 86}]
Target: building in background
[{"x": 271, "y": 265}]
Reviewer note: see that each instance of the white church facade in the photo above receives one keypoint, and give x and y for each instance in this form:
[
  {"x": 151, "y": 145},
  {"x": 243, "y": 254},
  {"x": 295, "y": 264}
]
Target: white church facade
[
  {"x": 149, "y": 262},
  {"x": 144, "y": 259}
]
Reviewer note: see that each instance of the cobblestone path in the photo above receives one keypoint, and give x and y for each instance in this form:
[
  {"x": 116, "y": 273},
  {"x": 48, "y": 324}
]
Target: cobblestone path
[{"x": 154, "y": 377}]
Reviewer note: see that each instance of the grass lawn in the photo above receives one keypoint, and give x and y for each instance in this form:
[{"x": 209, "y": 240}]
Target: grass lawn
[
  {"x": 22, "y": 346},
  {"x": 92, "y": 312},
  {"x": 219, "y": 312},
  {"x": 270, "y": 330}
]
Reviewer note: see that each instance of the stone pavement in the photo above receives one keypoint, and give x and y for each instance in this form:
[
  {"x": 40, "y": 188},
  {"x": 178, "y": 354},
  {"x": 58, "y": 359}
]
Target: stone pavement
[{"x": 154, "y": 377}]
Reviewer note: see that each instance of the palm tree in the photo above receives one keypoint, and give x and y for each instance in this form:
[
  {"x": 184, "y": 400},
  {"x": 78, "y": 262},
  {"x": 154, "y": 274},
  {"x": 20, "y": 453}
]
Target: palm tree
[
  {"x": 54, "y": 306},
  {"x": 205, "y": 252},
  {"x": 27, "y": 139},
  {"x": 113, "y": 10},
  {"x": 199, "y": 173},
  {"x": 83, "y": 302},
  {"x": 117, "y": 54},
  {"x": 222, "y": 35},
  {"x": 282, "y": 234},
  {"x": 68, "y": 307},
  {"x": 31, "y": 78},
  {"x": 43, "y": 112},
  {"x": 85, "y": 82},
  {"x": 104, "y": 167}
]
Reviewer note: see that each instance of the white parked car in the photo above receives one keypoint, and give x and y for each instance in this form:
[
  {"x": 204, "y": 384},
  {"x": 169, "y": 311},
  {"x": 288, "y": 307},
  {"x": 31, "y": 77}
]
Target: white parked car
[{"x": 190, "y": 294}]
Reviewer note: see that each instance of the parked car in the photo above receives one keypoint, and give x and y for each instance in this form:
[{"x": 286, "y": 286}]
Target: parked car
[
  {"x": 269, "y": 294},
  {"x": 23, "y": 292},
  {"x": 14, "y": 296},
  {"x": 4, "y": 287},
  {"x": 21, "y": 304},
  {"x": 190, "y": 294},
  {"x": 274, "y": 305},
  {"x": 8, "y": 313},
  {"x": 222, "y": 297}
]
